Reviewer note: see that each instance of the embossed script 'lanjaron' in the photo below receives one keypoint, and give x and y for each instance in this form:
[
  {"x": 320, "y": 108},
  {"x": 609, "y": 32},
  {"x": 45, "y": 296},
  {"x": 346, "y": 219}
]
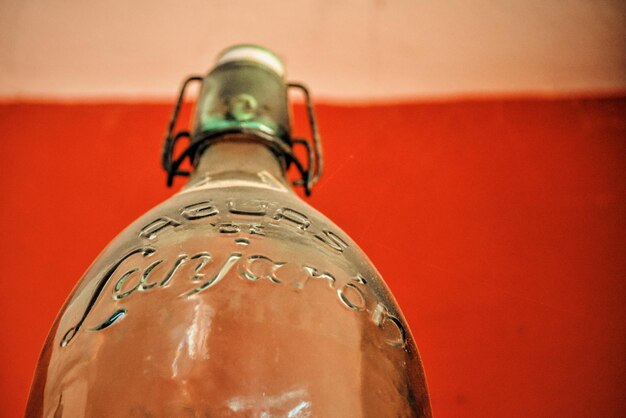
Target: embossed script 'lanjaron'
[{"x": 233, "y": 298}]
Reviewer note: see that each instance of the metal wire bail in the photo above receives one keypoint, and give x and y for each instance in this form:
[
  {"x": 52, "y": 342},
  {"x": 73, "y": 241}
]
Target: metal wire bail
[{"x": 309, "y": 174}]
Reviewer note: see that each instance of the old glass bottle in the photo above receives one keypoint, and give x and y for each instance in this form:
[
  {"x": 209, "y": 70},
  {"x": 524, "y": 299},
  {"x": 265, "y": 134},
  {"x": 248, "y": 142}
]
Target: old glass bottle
[{"x": 234, "y": 297}]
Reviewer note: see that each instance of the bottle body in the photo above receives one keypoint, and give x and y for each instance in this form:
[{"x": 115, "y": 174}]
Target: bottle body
[{"x": 232, "y": 298}]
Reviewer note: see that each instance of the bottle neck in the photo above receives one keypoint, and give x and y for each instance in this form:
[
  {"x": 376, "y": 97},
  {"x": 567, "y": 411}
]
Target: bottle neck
[{"x": 239, "y": 160}]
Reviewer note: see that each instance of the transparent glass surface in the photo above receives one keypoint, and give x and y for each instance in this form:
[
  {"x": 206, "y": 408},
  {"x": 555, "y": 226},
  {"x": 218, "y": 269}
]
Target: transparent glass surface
[
  {"x": 242, "y": 95},
  {"x": 234, "y": 298}
]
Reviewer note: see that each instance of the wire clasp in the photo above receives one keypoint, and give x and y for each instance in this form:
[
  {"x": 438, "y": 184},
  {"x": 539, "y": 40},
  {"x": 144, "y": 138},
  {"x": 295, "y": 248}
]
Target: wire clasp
[{"x": 284, "y": 146}]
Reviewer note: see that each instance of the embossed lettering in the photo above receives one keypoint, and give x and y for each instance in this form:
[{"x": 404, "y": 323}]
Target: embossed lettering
[
  {"x": 228, "y": 264},
  {"x": 351, "y": 296},
  {"x": 313, "y": 273},
  {"x": 204, "y": 260},
  {"x": 256, "y": 229},
  {"x": 247, "y": 207},
  {"x": 168, "y": 277},
  {"x": 259, "y": 266},
  {"x": 229, "y": 228},
  {"x": 120, "y": 283},
  {"x": 71, "y": 332},
  {"x": 143, "y": 285},
  {"x": 360, "y": 279},
  {"x": 206, "y": 271},
  {"x": 118, "y": 314},
  {"x": 294, "y": 216},
  {"x": 390, "y": 325},
  {"x": 199, "y": 210},
  {"x": 332, "y": 240},
  {"x": 151, "y": 230}
]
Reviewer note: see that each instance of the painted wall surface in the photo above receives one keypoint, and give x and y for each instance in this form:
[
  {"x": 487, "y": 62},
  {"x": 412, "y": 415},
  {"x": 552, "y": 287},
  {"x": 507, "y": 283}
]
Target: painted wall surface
[
  {"x": 345, "y": 49},
  {"x": 499, "y": 225}
]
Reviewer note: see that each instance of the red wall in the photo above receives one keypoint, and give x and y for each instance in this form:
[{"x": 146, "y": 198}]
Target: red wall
[{"x": 500, "y": 226}]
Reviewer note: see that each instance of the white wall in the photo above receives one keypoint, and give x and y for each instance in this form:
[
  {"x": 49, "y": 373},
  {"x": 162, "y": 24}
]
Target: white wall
[{"x": 344, "y": 49}]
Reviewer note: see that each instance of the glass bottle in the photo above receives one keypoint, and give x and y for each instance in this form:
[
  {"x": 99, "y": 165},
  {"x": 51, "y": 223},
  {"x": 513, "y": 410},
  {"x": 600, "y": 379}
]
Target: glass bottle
[{"x": 233, "y": 298}]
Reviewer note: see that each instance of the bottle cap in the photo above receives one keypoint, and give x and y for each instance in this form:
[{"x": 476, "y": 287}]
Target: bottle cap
[{"x": 253, "y": 53}]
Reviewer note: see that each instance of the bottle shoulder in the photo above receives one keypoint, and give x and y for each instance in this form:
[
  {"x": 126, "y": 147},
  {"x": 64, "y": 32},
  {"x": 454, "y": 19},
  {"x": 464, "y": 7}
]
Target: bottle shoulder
[
  {"x": 246, "y": 212},
  {"x": 208, "y": 268},
  {"x": 254, "y": 233}
]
